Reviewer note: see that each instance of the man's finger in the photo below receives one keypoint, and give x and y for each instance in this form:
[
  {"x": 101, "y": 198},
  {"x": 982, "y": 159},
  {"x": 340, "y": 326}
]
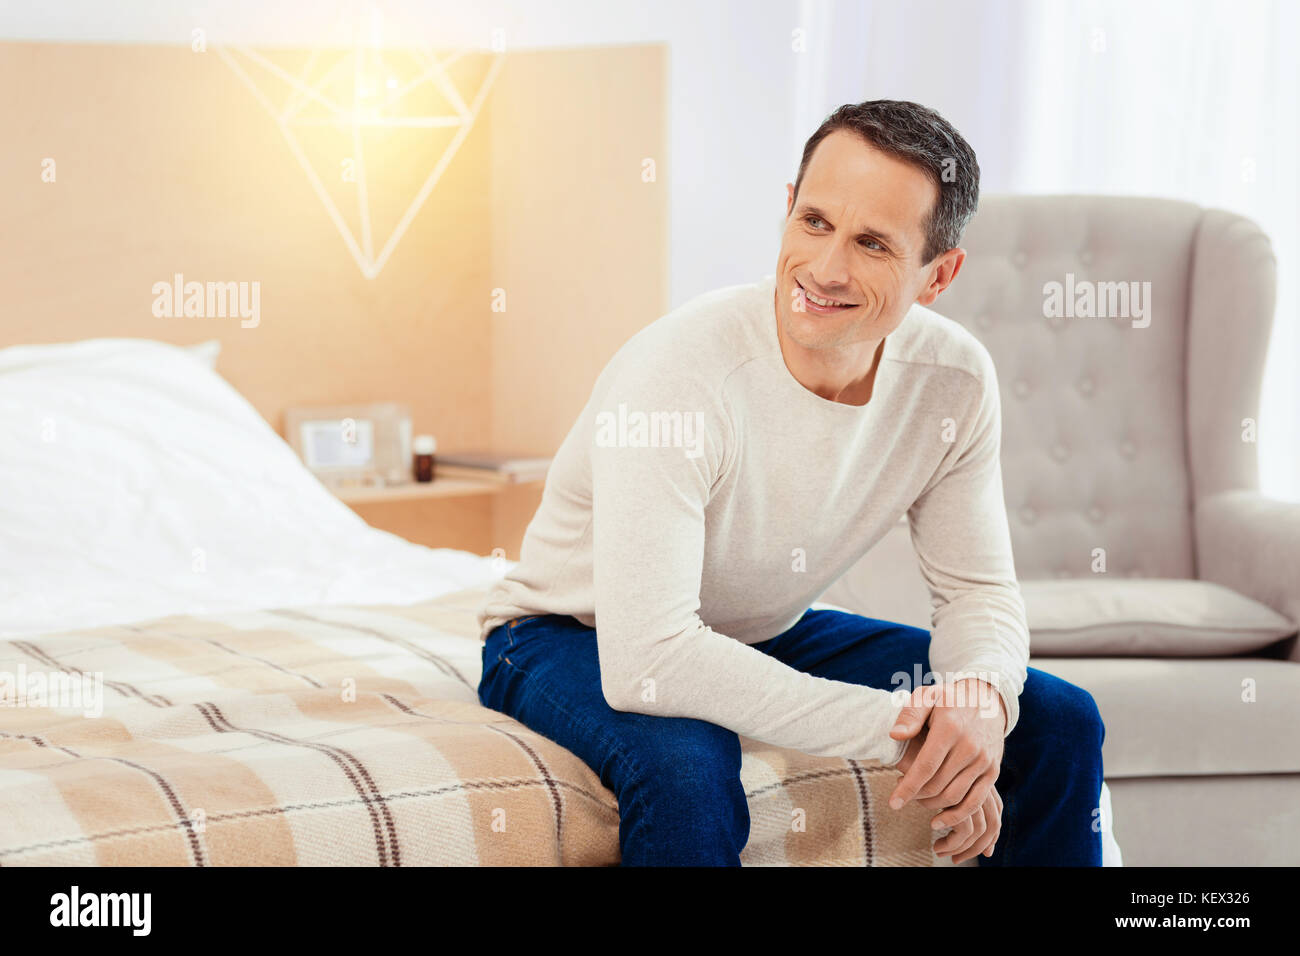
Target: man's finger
[
  {"x": 971, "y": 829},
  {"x": 980, "y": 823},
  {"x": 974, "y": 797},
  {"x": 959, "y": 836},
  {"x": 983, "y": 845},
  {"x": 915, "y": 712},
  {"x": 958, "y": 789},
  {"x": 953, "y": 768},
  {"x": 997, "y": 800},
  {"x": 959, "y": 785},
  {"x": 923, "y": 768}
]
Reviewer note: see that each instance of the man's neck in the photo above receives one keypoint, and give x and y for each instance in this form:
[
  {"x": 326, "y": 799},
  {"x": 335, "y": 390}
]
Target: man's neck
[{"x": 839, "y": 380}]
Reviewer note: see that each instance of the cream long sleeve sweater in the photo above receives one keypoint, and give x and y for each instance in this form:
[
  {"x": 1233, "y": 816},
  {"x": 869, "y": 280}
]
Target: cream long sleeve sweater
[{"x": 704, "y": 499}]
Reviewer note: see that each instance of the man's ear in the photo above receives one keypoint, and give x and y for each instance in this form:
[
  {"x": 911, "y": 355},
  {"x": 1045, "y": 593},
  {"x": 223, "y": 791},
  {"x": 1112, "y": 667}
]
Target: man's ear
[
  {"x": 789, "y": 198},
  {"x": 942, "y": 274}
]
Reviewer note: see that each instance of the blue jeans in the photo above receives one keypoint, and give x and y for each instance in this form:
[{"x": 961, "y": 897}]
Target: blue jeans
[{"x": 677, "y": 779}]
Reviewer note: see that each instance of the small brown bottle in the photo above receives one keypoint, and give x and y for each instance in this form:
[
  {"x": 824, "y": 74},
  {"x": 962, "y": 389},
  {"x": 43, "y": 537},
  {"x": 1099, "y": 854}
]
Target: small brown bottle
[{"x": 424, "y": 447}]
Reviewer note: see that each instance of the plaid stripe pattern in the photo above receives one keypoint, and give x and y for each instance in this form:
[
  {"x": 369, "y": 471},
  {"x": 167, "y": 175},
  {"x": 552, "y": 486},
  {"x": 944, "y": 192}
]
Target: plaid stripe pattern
[{"x": 349, "y": 736}]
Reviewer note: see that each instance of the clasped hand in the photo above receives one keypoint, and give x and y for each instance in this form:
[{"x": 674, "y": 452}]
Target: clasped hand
[{"x": 954, "y": 754}]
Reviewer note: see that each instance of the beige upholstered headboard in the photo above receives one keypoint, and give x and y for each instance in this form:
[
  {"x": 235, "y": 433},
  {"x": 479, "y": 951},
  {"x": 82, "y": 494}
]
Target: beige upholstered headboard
[{"x": 125, "y": 166}]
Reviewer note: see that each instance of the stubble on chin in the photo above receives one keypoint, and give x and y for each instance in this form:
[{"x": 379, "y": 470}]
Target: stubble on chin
[{"x": 798, "y": 331}]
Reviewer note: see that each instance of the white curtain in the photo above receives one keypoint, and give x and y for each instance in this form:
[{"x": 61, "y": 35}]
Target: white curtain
[{"x": 1194, "y": 99}]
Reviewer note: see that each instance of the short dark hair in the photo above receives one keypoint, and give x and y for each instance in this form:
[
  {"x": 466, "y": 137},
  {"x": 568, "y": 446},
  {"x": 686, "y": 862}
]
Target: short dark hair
[{"x": 918, "y": 135}]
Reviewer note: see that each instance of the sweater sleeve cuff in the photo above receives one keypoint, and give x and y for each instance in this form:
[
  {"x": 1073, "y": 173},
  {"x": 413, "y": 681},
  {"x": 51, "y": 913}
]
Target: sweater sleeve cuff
[
  {"x": 899, "y": 751},
  {"x": 894, "y": 749},
  {"x": 1010, "y": 701}
]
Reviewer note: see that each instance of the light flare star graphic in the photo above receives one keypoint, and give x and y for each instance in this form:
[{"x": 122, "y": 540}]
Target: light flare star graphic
[{"x": 356, "y": 93}]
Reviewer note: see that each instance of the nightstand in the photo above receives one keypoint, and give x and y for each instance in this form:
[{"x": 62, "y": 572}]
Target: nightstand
[
  {"x": 483, "y": 516},
  {"x": 438, "y": 488}
]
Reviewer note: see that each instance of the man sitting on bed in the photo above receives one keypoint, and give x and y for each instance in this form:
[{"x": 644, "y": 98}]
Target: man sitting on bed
[{"x": 735, "y": 458}]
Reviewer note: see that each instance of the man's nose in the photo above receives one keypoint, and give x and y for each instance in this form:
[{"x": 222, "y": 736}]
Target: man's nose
[{"x": 831, "y": 268}]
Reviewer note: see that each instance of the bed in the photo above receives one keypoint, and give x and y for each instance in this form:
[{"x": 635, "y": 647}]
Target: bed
[{"x": 207, "y": 659}]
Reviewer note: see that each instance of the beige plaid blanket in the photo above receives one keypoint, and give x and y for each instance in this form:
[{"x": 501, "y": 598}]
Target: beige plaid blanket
[{"x": 346, "y": 736}]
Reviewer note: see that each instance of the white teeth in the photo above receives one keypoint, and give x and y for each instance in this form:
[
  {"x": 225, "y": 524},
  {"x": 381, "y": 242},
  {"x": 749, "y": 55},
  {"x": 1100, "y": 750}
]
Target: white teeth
[{"x": 822, "y": 302}]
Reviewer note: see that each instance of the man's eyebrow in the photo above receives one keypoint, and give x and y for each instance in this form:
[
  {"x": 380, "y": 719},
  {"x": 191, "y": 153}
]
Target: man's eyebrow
[{"x": 880, "y": 234}]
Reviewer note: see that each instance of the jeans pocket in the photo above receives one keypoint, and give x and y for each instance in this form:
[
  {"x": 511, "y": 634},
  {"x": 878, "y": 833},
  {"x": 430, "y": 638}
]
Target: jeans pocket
[{"x": 517, "y": 629}]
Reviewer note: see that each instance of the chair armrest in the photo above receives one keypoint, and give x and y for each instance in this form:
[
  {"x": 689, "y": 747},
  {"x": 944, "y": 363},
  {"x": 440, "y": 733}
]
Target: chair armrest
[{"x": 1251, "y": 543}]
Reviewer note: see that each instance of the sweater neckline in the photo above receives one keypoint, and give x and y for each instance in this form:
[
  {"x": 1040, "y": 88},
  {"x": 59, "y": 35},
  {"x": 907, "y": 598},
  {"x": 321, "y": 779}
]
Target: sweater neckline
[{"x": 772, "y": 344}]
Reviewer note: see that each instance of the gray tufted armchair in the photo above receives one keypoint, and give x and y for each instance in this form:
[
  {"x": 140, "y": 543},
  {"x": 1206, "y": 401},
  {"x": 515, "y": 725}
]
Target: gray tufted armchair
[{"x": 1155, "y": 575}]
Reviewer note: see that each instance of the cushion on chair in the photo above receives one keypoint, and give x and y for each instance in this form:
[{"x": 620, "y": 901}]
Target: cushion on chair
[
  {"x": 1146, "y": 617},
  {"x": 1167, "y": 717}
]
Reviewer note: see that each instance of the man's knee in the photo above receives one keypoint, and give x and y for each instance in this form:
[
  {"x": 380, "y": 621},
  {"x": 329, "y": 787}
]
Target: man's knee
[
  {"x": 688, "y": 770},
  {"x": 1060, "y": 713},
  {"x": 685, "y": 753},
  {"x": 680, "y": 797}
]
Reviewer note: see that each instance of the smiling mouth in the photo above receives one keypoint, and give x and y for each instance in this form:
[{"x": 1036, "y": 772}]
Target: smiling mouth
[{"x": 822, "y": 306}]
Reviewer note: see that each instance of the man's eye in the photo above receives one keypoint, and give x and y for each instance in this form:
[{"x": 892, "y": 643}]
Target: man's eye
[
  {"x": 812, "y": 221},
  {"x": 873, "y": 243}
]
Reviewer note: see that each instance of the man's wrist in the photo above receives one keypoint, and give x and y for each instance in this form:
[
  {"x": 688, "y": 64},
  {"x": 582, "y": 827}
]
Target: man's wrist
[{"x": 984, "y": 692}]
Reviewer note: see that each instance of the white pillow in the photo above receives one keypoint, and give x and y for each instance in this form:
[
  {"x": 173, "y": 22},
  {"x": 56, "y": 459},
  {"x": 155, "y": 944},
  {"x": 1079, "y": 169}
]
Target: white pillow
[
  {"x": 1145, "y": 617},
  {"x": 137, "y": 483},
  {"x": 18, "y": 358},
  {"x": 206, "y": 352}
]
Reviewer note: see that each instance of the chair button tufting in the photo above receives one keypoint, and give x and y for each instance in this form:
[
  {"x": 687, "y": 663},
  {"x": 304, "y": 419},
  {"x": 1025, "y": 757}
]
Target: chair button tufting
[
  {"x": 1094, "y": 514},
  {"x": 1086, "y": 385},
  {"x": 1020, "y": 258},
  {"x": 1027, "y": 515},
  {"x": 1086, "y": 257},
  {"x": 1059, "y": 452},
  {"x": 1056, "y": 321},
  {"x": 1021, "y": 387},
  {"x": 1127, "y": 449},
  {"x": 984, "y": 320}
]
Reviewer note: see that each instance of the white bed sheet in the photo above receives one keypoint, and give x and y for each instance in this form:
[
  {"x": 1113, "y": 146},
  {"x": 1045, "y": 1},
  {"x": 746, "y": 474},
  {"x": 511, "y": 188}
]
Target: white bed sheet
[{"x": 136, "y": 483}]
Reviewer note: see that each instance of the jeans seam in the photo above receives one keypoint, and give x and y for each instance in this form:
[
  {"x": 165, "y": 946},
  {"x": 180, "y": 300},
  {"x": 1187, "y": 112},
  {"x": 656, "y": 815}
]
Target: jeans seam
[{"x": 614, "y": 747}]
